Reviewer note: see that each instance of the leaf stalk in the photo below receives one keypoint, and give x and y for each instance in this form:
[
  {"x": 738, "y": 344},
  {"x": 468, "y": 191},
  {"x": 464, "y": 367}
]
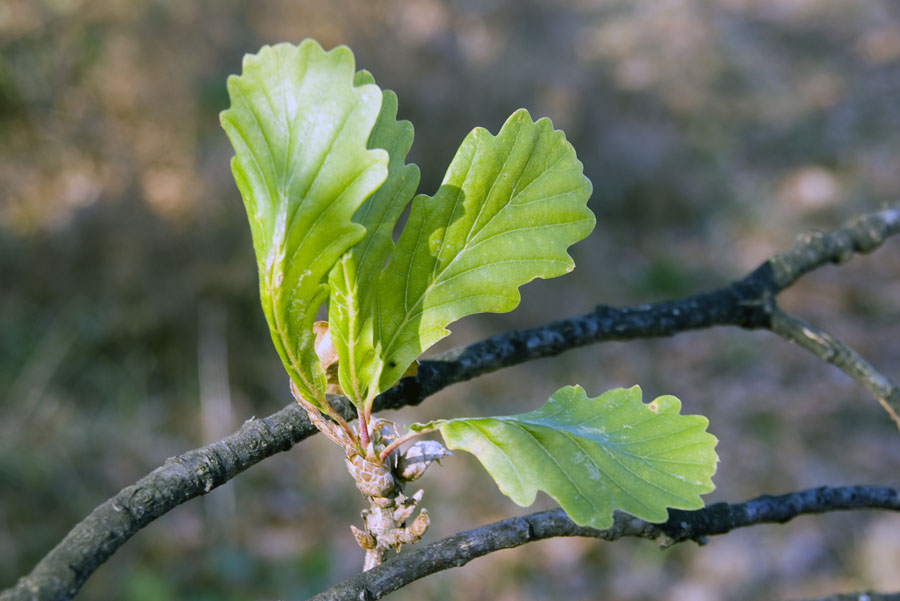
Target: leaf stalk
[
  {"x": 363, "y": 428},
  {"x": 401, "y": 441}
]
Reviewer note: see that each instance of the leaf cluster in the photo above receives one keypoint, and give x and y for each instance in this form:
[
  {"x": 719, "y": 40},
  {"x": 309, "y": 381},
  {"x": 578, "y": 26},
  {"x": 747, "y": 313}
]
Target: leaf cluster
[{"x": 320, "y": 161}]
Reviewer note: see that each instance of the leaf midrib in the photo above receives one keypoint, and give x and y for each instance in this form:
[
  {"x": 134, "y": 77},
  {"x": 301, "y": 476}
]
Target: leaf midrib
[{"x": 613, "y": 451}]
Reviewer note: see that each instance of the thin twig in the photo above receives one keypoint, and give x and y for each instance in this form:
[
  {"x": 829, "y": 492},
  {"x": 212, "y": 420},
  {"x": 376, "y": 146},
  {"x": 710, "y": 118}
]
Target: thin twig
[
  {"x": 862, "y": 596},
  {"x": 862, "y": 235},
  {"x": 747, "y": 303},
  {"x": 828, "y": 348},
  {"x": 458, "y": 550}
]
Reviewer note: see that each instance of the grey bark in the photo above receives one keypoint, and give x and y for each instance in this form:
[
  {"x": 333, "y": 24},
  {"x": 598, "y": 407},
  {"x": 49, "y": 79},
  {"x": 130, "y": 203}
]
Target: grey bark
[{"x": 720, "y": 518}]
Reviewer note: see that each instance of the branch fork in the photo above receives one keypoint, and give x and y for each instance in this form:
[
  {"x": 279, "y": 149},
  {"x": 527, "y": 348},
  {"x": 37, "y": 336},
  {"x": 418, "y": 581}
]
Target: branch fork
[{"x": 63, "y": 571}]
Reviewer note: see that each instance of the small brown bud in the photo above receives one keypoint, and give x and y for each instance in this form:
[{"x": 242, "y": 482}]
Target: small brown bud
[
  {"x": 416, "y": 459},
  {"x": 363, "y": 539},
  {"x": 420, "y": 525},
  {"x": 406, "y": 506}
]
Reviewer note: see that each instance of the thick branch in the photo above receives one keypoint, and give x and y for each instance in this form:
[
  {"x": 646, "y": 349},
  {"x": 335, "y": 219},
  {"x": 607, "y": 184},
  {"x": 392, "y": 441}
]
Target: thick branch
[
  {"x": 747, "y": 303},
  {"x": 61, "y": 573},
  {"x": 458, "y": 550}
]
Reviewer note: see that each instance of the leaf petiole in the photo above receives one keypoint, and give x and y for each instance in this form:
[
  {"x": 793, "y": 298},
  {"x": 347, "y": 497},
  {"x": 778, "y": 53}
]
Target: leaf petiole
[
  {"x": 363, "y": 428},
  {"x": 372, "y": 392},
  {"x": 403, "y": 440},
  {"x": 341, "y": 421}
]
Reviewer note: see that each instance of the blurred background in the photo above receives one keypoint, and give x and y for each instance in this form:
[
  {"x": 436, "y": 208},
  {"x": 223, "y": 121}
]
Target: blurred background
[{"x": 713, "y": 132}]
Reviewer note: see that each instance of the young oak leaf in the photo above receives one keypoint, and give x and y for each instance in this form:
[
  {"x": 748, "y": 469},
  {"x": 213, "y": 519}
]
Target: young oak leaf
[
  {"x": 351, "y": 309},
  {"x": 300, "y": 128},
  {"x": 595, "y": 455},
  {"x": 508, "y": 208}
]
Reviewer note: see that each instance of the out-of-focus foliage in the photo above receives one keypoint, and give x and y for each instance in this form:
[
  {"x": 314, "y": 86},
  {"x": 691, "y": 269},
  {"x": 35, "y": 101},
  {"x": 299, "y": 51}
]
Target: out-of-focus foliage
[{"x": 712, "y": 131}]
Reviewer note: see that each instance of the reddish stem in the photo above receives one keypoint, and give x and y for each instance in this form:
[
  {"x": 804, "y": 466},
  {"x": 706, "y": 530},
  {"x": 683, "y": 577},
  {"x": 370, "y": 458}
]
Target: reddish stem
[
  {"x": 363, "y": 429},
  {"x": 337, "y": 417},
  {"x": 400, "y": 441}
]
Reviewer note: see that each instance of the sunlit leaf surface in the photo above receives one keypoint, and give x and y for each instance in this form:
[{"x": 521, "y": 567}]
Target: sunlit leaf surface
[
  {"x": 351, "y": 309},
  {"x": 596, "y": 455},
  {"x": 508, "y": 208},
  {"x": 300, "y": 131}
]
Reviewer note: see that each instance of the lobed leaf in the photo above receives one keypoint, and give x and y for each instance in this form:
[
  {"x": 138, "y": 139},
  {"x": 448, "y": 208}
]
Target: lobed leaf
[
  {"x": 300, "y": 129},
  {"x": 351, "y": 310},
  {"x": 508, "y": 208},
  {"x": 595, "y": 455}
]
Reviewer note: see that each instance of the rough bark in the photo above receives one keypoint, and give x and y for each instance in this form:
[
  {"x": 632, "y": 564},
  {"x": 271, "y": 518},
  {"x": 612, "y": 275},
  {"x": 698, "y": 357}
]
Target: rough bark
[{"x": 720, "y": 518}]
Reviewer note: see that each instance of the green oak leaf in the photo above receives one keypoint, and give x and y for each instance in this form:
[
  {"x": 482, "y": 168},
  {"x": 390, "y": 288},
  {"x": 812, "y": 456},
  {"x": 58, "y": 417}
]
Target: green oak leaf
[
  {"x": 351, "y": 311},
  {"x": 508, "y": 208},
  {"x": 595, "y": 455},
  {"x": 300, "y": 131}
]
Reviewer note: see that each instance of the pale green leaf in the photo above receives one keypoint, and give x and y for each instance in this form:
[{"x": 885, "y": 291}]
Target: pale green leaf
[
  {"x": 596, "y": 455},
  {"x": 351, "y": 306},
  {"x": 508, "y": 208},
  {"x": 379, "y": 214},
  {"x": 300, "y": 130}
]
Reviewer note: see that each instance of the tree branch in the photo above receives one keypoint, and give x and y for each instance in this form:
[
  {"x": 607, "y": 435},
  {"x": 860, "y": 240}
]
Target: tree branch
[
  {"x": 830, "y": 349},
  {"x": 458, "y": 550},
  {"x": 748, "y": 303},
  {"x": 812, "y": 250},
  {"x": 61, "y": 573},
  {"x": 862, "y": 596}
]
